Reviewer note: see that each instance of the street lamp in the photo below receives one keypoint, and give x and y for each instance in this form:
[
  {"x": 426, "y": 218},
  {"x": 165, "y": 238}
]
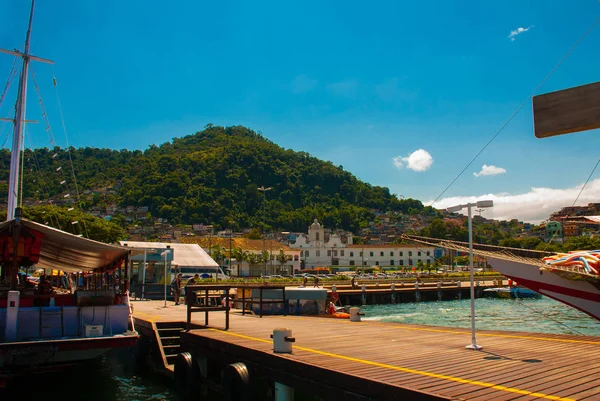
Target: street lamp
[
  {"x": 264, "y": 191},
  {"x": 479, "y": 204},
  {"x": 165, "y": 253}
]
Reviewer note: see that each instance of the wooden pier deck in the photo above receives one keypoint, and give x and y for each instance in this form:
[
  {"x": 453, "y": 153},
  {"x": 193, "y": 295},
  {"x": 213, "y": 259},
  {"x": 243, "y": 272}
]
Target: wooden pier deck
[{"x": 339, "y": 359}]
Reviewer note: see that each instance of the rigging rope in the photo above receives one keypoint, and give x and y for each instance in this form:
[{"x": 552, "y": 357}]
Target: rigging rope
[
  {"x": 586, "y": 181},
  {"x": 519, "y": 108},
  {"x": 62, "y": 119},
  {"x": 547, "y": 316},
  {"x": 575, "y": 201},
  {"x": 11, "y": 75},
  {"x": 44, "y": 187}
]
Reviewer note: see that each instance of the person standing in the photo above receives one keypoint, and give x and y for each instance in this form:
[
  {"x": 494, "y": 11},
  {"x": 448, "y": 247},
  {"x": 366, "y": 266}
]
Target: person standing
[{"x": 177, "y": 288}]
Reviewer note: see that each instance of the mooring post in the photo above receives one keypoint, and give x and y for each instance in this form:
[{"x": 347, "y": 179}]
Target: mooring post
[
  {"x": 364, "y": 294},
  {"x": 417, "y": 294},
  {"x": 439, "y": 286},
  {"x": 393, "y": 293},
  {"x": 458, "y": 284}
]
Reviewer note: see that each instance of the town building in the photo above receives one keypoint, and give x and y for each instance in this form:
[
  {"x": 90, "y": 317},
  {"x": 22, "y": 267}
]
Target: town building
[{"x": 317, "y": 251}]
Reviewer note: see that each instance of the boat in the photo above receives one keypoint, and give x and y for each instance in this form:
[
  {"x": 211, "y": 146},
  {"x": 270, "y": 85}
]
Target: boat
[
  {"x": 574, "y": 284},
  {"x": 511, "y": 292},
  {"x": 86, "y": 313}
]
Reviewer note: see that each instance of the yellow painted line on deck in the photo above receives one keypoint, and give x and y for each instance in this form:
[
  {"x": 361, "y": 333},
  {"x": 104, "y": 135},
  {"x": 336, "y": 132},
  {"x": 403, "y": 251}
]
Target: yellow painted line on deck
[
  {"x": 408, "y": 370},
  {"x": 451, "y": 331}
]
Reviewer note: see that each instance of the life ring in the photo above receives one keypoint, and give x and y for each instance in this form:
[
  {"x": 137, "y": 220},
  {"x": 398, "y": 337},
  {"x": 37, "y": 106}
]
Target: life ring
[
  {"x": 335, "y": 296},
  {"x": 236, "y": 382}
]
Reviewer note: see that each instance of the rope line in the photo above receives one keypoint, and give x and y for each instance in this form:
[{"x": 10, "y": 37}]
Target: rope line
[{"x": 519, "y": 108}]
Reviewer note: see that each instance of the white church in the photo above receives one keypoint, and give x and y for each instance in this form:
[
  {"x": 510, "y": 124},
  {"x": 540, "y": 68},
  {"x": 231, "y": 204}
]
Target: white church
[{"x": 316, "y": 252}]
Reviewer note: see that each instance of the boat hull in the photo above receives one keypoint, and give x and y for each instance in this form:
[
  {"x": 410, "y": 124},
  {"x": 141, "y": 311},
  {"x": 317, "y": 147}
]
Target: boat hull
[
  {"x": 17, "y": 358},
  {"x": 579, "y": 294}
]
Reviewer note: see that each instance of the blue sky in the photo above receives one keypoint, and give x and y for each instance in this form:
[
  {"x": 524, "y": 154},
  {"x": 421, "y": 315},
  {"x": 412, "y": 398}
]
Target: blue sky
[{"x": 363, "y": 85}]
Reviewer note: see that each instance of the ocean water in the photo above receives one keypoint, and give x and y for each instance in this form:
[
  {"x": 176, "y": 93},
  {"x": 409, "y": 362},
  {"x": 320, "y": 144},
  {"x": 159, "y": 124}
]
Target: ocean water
[
  {"x": 115, "y": 377},
  {"x": 542, "y": 315}
]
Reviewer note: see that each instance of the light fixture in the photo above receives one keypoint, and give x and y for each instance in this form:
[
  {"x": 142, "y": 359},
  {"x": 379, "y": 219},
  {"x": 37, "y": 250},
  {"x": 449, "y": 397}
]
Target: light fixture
[{"x": 453, "y": 209}]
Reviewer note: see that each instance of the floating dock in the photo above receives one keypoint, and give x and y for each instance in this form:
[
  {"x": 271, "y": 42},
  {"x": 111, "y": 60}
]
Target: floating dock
[{"x": 335, "y": 359}]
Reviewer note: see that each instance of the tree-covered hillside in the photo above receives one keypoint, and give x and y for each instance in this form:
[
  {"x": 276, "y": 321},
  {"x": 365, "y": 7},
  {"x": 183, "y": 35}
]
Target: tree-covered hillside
[{"x": 213, "y": 177}]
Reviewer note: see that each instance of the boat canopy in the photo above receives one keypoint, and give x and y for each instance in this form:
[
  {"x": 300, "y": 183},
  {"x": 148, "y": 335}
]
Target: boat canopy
[{"x": 49, "y": 248}]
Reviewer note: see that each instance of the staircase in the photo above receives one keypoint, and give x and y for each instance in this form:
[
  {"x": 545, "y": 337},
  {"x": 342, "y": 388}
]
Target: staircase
[{"x": 169, "y": 340}]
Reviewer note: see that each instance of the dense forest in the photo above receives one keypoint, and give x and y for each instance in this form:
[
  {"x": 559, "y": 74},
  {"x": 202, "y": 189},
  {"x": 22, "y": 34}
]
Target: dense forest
[{"x": 212, "y": 177}]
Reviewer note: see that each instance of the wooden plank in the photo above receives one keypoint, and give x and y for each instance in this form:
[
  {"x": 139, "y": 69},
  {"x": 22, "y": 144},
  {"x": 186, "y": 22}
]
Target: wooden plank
[
  {"x": 567, "y": 111},
  {"x": 399, "y": 361}
]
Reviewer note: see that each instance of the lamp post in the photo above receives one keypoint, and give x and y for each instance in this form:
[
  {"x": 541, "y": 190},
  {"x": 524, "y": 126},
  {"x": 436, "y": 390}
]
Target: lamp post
[
  {"x": 479, "y": 204},
  {"x": 165, "y": 253},
  {"x": 264, "y": 191}
]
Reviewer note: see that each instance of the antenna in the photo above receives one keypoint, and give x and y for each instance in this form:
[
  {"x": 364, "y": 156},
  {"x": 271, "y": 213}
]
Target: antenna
[{"x": 19, "y": 120}]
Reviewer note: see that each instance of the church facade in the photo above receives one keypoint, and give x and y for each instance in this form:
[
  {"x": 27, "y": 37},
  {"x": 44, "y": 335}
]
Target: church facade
[{"x": 315, "y": 251}]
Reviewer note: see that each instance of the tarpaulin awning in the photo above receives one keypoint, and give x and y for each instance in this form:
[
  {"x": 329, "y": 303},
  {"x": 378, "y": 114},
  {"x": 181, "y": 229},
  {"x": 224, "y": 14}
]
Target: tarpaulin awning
[{"x": 58, "y": 249}]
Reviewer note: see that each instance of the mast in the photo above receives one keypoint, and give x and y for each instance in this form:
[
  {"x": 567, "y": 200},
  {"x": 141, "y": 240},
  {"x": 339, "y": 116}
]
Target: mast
[
  {"x": 19, "y": 121},
  {"x": 13, "y": 182}
]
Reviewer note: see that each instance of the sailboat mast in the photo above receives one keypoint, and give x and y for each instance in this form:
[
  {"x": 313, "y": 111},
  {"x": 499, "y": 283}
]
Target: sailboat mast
[{"x": 19, "y": 124}]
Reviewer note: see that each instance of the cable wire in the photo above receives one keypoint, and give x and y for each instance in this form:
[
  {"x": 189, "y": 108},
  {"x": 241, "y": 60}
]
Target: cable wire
[{"x": 519, "y": 108}]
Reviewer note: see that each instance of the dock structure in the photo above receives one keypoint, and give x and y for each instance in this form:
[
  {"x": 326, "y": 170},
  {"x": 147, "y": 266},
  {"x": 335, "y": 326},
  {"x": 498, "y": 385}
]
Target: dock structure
[{"x": 335, "y": 359}]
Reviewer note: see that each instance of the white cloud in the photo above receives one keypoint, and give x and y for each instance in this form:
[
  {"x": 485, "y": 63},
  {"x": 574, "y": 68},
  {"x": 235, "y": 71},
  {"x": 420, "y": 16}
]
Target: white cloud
[
  {"x": 302, "y": 84},
  {"x": 490, "y": 170},
  {"x": 419, "y": 160},
  {"x": 533, "y": 206},
  {"x": 513, "y": 34},
  {"x": 344, "y": 88}
]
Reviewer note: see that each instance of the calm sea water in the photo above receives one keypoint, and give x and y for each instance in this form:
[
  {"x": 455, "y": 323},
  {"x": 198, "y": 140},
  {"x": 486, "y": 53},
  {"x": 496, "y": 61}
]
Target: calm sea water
[{"x": 542, "y": 315}]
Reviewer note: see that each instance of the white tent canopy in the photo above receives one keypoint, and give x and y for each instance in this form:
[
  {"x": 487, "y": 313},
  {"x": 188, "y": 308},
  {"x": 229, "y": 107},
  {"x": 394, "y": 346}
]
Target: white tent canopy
[
  {"x": 184, "y": 255},
  {"x": 64, "y": 251}
]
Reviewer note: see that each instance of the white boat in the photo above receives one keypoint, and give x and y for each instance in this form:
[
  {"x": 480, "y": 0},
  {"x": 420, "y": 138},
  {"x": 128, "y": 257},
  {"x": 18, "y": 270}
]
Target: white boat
[
  {"x": 42, "y": 329},
  {"x": 571, "y": 285}
]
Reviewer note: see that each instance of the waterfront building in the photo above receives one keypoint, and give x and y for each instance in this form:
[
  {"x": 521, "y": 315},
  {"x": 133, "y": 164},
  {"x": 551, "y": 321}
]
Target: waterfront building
[{"x": 316, "y": 251}]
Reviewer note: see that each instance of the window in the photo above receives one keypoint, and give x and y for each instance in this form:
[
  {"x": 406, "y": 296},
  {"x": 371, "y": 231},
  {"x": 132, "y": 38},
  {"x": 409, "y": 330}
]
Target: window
[
  {"x": 328, "y": 253},
  {"x": 371, "y": 253},
  {"x": 364, "y": 263},
  {"x": 360, "y": 254},
  {"x": 410, "y": 262},
  {"x": 306, "y": 254},
  {"x": 401, "y": 253},
  {"x": 409, "y": 253},
  {"x": 351, "y": 254},
  {"x": 380, "y": 253},
  {"x": 376, "y": 263},
  {"x": 401, "y": 262},
  {"x": 419, "y": 253},
  {"x": 334, "y": 253},
  {"x": 341, "y": 253},
  {"x": 351, "y": 263},
  {"x": 295, "y": 258},
  {"x": 317, "y": 237},
  {"x": 428, "y": 253},
  {"x": 391, "y": 253},
  {"x": 318, "y": 253},
  {"x": 391, "y": 262}
]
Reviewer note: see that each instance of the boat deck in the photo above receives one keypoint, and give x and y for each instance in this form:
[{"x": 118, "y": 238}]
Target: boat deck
[{"x": 389, "y": 360}]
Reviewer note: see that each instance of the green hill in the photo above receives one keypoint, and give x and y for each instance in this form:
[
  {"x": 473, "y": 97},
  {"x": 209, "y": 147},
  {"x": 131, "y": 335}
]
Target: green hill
[{"x": 212, "y": 176}]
